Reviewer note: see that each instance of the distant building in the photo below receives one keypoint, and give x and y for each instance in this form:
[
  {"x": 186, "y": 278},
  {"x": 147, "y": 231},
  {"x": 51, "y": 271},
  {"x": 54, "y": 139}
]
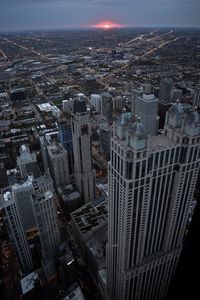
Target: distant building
[
  {"x": 96, "y": 102},
  {"x": 58, "y": 164},
  {"x": 27, "y": 162},
  {"x": 3, "y": 176},
  {"x": 176, "y": 94},
  {"x": 106, "y": 106},
  {"x": 146, "y": 107},
  {"x": 165, "y": 90},
  {"x": 69, "y": 199},
  {"x": 105, "y": 134},
  {"x": 56, "y": 112},
  {"x": 18, "y": 94},
  {"x": 65, "y": 136},
  {"x": 68, "y": 105}
]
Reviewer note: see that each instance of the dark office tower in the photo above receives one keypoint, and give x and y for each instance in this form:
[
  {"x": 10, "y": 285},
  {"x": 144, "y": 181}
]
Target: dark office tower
[
  {"x": 165, "y": 90},
  {"x": 65, "y": 135},
  {"x": 196, "y": 97},
  {"x": 81, "y": 135},
  {"x": 151, "y": 187},
  {"x": 3, "y": 176},
  {"x": 106, "y": 106}
]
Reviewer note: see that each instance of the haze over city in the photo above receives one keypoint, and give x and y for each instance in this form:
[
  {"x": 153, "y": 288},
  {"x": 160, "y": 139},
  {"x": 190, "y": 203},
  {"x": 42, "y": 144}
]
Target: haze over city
[{"x": 22, "y": 15}]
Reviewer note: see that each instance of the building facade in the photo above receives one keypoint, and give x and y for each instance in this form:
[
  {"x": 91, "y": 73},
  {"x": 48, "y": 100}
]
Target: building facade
[{"x": 151, "y": 187}]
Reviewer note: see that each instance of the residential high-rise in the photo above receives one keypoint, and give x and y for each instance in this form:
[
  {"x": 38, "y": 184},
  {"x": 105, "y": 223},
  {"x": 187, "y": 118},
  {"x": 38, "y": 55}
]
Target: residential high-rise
[
  {"x": 151, "y": 187},
  {"x": 20, "y": 214},
  {"x": 81, "y": 136},
  {"x": 16, "y": 230},
  {"x": 47, "y": 222},
  {"x": 58, "y": 164},
  {"x": 22, "y": 192},
  {"x": 27, "y": 162}
]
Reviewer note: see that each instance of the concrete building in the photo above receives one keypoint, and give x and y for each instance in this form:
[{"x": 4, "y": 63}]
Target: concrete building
[
  {"x": 151, "y": 187},
  {"x": 58, "y": 164},
  {"x": 146, "y": 107},
  {"x": 27, "y": 162},
  {"x": 81, "y": 136}
]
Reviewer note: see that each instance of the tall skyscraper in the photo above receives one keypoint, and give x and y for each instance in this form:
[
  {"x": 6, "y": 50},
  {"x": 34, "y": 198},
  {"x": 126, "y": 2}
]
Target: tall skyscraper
[
  {"x": 27, "y": 162},
  {"x": 81, "y": 135},
  {"x": 16, "y": 230},
  {"x": 58, "y": 163},
  {"x": 21, "y": 214},
  {"x": 151, "y": 187},
  {"x": 47, "y": 222},
  {"x": 65, "y": 136}
]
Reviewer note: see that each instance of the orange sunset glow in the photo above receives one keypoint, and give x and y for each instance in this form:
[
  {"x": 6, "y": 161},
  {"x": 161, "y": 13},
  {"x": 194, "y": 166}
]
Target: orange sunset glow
[{"x": 107, "y": 25}]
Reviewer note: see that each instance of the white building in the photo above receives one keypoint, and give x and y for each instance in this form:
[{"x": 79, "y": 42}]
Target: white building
[
  {"x": 59, "y": 167},
  {"x": 81, "y": 136},
  {"x": 151, "y": 186},
  {"x": 22, "y": 192}
]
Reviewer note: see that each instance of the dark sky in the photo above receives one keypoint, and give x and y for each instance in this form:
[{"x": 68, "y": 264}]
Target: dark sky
[{"x": 50, "y": 14}]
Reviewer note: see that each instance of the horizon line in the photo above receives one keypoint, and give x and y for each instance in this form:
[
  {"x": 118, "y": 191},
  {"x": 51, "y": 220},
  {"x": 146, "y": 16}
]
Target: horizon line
[{"x": 98, "y": 28}]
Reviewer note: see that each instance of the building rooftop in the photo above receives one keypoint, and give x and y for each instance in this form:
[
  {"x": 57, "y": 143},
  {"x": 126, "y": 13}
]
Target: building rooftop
[
  {"x": 80, "y": 106},
  {"x": 88, "y": 216},
  {"x": 28, "y": 282},
  {"x": 75, "y": 294},
  {"x": 161, "y": 142}
]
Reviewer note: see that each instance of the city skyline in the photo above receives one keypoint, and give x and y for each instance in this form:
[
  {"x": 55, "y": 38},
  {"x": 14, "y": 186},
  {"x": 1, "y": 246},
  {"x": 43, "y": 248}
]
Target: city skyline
[{"x": 50, "y": 14}]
